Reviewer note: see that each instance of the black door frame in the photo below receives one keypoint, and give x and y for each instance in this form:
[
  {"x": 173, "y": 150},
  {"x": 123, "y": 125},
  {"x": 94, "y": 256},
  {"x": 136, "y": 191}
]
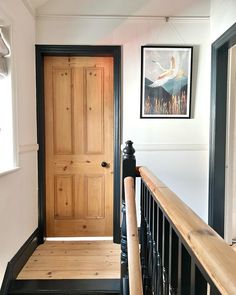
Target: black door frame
[
  {"x": 77, "y": 50},
  {"x": 219, "y": 77}
]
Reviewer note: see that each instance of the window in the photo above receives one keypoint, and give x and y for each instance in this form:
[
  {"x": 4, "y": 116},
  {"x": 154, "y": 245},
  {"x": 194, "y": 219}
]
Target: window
[{"x": 7, "y": 150}]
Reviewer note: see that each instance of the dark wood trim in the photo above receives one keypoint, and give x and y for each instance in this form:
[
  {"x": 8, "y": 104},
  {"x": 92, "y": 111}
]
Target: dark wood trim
[
  {"x": 15, "y": 265},
  {"x": 78, "y": 50},
  {"x": 219, "y": 70},
  {"x": 117, "y": 144},
  {"x": 41, "y": 142},
  {"x": 107, "y": 286}
]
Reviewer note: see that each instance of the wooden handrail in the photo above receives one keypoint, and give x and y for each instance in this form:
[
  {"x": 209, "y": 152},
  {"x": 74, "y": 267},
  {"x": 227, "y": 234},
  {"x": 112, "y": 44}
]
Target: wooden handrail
[
  {"x": 215, "y": 256},
  {"x": 134, "y": 265}
]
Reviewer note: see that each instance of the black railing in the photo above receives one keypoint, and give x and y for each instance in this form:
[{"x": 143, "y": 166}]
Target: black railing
[
  {"x": 169, "y": 266},
  {"x": 180, "y": 254}
]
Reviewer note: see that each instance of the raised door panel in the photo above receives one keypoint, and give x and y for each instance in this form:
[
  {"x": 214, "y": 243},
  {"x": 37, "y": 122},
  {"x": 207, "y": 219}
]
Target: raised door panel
[
  {"x": 64, "y": 196},
  {"x": 94, "y": 139},
  {"x": 94, "y": 196},
  {"x": 62, "y": 111},
  {"x": 79, "y": 114}
]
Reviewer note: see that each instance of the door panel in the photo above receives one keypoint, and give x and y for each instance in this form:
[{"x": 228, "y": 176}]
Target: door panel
[
  {"x": 64, "y": 197},
  {"x": 94, "y": 195},
  {"x": 94, "y": 102},
  {"x": 62, "y": 108},
  {"x": 79, "y": 137}
]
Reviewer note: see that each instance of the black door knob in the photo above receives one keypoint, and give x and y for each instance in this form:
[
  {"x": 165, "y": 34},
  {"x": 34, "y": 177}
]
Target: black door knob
[{"x": 104, "y": 164}]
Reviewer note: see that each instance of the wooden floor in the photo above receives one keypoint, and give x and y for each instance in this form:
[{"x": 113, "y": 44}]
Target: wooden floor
[{"x": 73, "y": 260}]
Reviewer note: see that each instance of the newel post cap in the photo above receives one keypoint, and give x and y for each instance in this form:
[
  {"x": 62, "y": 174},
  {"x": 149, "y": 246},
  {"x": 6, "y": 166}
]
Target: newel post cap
[{"x": 128, "y": 151}]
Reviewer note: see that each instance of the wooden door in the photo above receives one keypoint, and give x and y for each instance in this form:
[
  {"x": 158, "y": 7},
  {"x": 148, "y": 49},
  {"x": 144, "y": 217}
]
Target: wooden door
[{"x": 79, "y": 145}]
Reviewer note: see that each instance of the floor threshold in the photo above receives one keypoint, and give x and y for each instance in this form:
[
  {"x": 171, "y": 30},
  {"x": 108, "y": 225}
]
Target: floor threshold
[{"x": 78, "y": 239}]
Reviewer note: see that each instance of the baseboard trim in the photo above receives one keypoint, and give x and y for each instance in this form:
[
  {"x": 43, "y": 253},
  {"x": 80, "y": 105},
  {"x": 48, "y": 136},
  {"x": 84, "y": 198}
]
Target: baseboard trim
[
  {"x": 83, "y": 286},
  {"x": 15, "y": 265}
]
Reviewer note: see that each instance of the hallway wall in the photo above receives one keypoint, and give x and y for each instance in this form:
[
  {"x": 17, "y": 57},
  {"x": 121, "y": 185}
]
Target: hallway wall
[
  {"x": 175, "y": 149},
  {"x": 223, "y": 16},
  {"x": 18, "y": 190}
]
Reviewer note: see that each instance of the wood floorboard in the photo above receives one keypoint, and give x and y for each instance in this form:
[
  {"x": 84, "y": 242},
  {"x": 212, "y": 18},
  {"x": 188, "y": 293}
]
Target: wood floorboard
[
  {"x": 74, "y": 252},
  {"x": 73, "y": 260},
  {"x": 96, "y": 245}
]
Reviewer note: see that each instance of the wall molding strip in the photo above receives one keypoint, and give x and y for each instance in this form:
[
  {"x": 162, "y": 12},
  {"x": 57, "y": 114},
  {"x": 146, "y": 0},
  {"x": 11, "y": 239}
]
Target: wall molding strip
[
  {"x": 162, "y": 19},
  {"x": 169, "y": 147},
  {"x": 26, "y": 148}
]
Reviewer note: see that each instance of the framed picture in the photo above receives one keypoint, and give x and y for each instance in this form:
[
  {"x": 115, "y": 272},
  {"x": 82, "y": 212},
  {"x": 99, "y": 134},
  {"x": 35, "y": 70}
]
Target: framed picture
[{"x": 166, "y": 81}]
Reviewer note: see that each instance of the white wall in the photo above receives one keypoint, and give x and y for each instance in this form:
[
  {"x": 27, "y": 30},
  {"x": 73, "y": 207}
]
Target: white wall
[
  {"x": 223, "y": 16},
  {"x": 175, "y": 149},
  {"x": 18, "y": 190}
]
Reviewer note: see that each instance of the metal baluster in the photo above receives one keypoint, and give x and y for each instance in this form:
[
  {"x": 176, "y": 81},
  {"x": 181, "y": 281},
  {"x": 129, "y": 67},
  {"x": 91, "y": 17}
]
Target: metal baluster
[
  {"x": 173, "y": 262},
  {"x": 149, "y": 279},
  {"x": 159, "y": 275},
  {"x": 124, "y": 255},
  {"x": 165, "y": 281},
  {"x": 185, "y": 271},
  {"x": 200, "y": 282},
  {"x": 146, "y": 262},
  {"x": 159, "y": 252},
  {"x": 214, "y": 290},
  {"x": 149, "y": 247},
  {"x": 143, "y": 237},
  {"x": 165, "y": 255},
  {"x": 154, "y": 268}
]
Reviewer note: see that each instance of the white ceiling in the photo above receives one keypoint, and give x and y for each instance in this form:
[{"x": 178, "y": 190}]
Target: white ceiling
[{"x": 121, "y": 7}]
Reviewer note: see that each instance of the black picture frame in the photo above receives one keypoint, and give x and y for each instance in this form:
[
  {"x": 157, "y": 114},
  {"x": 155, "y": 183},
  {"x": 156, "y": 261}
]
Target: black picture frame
[{"x": 166, "y": 80}]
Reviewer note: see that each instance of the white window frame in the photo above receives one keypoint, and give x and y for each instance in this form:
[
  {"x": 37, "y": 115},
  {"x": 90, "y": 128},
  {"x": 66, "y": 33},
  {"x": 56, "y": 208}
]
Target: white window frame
[{"x": 14, "y": 165}]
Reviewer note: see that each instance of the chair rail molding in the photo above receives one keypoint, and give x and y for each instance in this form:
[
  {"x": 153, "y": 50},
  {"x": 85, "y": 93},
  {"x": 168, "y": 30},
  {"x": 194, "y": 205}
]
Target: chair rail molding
[
  {"x": 156, "y": 147},
  {"x": 27, "y": 148}
]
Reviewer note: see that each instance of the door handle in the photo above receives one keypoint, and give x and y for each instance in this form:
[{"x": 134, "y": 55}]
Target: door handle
[{"x": 104, "y": 164}]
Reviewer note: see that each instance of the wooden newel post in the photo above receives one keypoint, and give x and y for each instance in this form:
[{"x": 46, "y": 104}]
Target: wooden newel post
[{"x": 128, "y": 169}]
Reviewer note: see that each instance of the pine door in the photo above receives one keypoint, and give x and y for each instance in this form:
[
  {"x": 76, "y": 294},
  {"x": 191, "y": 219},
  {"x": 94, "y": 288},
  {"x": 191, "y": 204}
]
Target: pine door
[{"x": 79, "y": 145}]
